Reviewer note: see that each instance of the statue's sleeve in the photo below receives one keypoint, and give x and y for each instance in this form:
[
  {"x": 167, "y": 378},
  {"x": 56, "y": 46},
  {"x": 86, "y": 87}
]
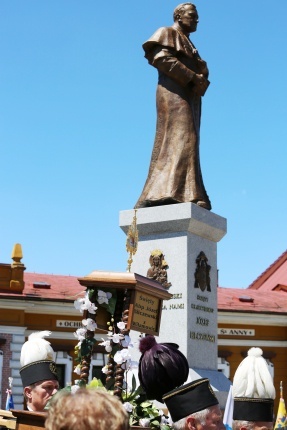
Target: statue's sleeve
[{"x": 161, "y": 51}]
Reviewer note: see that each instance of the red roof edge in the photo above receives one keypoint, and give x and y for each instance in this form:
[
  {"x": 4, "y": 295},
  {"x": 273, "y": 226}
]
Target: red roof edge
[{"x": 268, "y": 272}]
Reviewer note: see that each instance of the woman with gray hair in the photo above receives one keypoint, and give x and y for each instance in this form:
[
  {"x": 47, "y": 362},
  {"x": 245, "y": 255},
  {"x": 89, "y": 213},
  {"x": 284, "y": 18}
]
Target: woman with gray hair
[{"x": 87, "y": 409}]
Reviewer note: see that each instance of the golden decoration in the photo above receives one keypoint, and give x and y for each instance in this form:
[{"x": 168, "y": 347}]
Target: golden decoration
[{"x": 132, "y": 241}]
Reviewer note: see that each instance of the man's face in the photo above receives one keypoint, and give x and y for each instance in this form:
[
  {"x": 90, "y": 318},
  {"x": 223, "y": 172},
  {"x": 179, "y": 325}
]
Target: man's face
[
  {"x": 213, "y": 420},
  {"x": 188, "y": 19},
  {"x": 39, "y": 395}
]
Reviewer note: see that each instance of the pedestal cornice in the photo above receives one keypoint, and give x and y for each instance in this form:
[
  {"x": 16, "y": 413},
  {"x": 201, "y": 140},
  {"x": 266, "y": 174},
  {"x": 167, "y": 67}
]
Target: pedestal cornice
[{"x": 180, "y": 217}]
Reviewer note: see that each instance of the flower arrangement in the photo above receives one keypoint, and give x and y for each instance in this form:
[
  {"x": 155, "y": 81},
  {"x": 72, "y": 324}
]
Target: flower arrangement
[
  {"x": 142, "y": 411},
  {"x": 118, "y": 343}
]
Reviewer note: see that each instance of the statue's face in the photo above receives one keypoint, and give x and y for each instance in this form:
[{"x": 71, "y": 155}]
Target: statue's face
[
  {"x": 188, "y": 19},
  {"x": 156, "y": 260}
]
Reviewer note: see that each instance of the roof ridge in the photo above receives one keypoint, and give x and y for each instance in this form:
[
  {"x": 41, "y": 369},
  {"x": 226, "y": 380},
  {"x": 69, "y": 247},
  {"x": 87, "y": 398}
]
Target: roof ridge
[{"x": 274, "y": 266}]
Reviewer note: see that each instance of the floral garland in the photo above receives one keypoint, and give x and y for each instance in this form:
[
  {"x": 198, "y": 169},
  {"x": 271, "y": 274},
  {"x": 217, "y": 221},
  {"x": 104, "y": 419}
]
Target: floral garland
[{"x": 142, "y": 412}]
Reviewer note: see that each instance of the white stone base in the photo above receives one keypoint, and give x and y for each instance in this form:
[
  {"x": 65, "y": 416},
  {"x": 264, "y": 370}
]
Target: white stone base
[{"x": 181, "y": 232}]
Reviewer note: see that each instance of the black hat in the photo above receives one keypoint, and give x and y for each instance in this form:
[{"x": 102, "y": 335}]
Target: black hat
[
  {"x": 38, "y": 371},
  {"x": 253, "y": 409},
  {"x": 37, "y": 359},
  {"x": 190, "y": 398},
  {"x": 162, "y": 367}
]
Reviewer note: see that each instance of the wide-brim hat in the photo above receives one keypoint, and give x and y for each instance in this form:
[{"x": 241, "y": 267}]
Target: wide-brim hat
[
  {"x": 38, "y": 371},
  {"x": 253, "y": 409},
  {"x": 190, "y": 398}
]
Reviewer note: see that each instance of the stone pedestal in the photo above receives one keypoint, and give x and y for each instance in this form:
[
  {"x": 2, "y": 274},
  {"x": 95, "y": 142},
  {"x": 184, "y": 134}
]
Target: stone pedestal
[{"x": 183, "y": 232}]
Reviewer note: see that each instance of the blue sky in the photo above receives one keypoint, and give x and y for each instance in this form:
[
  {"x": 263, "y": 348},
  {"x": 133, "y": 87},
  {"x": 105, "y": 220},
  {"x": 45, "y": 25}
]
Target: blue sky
[{"x": 77, "y": 122}]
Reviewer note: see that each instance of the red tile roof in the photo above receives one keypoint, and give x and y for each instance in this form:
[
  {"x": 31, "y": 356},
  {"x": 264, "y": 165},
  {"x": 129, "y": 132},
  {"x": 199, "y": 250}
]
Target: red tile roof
[
  {"x": 263, "y": 301},
  {"x": 63, "y": 288}
]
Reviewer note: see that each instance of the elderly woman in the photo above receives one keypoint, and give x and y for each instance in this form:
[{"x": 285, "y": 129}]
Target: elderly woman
[
  {"x": 175, "y": 175},
  {"x": 86, "y": 409}
]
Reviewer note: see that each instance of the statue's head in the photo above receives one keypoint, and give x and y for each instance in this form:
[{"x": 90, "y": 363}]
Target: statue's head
[{"x": 181, "y": 9}]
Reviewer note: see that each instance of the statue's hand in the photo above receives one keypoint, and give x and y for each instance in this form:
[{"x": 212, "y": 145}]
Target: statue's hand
[{"x": 200, "y": 84}]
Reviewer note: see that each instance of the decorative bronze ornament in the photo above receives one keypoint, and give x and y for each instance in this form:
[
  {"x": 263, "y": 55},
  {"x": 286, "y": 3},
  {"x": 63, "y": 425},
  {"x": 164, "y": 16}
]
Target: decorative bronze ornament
[
  {"x": 132, "y": 241},
  {"x": 53, "y": 368},
  {"x": 158, "y": 269},
  {"x": 201, "y": 275}
]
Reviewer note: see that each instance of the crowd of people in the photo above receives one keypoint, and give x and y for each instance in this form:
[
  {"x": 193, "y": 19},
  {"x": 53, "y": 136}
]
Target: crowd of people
[{"x": 191, "y": 406}]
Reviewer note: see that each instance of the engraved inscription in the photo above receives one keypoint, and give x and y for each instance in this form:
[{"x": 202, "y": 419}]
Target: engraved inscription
[
  {"x": 202, "y": 321},
  {"x": 201, "y": 308},
  {"x": 202, "y": 336}
]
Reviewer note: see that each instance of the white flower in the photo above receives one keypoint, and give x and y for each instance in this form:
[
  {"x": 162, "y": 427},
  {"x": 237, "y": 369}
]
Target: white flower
[
  {"x": 128, "y": 406},
  {"x": 91, "y": 307},
  {"x": 127, "y": 342},
  {"x": 106, "y": 344},
  {"x": 144, "y": 422},
  {"x": 85, "y": 304},
  {"x": 103, "y": 297},
  {"x": 90, "y": 324},
  {"x": 78, "y": 303},
  {"x": 77, "y": 369},
  {"x": 105, "y": 369},
  {"x": 125, "y": 353},
  {"x": 118, "y": 358},
  {"x": 121, "y": 356},
  {"x": 116, "y": 337},
  {"x": 126, "y": 365},
  {"x": 121, "y": 325},
  {"x": 74, "y": 388},
  {"x": 80, "y": 334}
]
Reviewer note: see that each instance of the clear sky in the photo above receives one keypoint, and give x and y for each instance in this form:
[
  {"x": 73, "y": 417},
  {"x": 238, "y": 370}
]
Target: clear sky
[{"x": 77, "y": 123}]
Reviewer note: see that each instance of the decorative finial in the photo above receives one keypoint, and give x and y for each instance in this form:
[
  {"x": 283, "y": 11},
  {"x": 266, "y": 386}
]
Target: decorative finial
[
  {"x": 132, "y": 241},
  {"x": 17, "y": 253}
]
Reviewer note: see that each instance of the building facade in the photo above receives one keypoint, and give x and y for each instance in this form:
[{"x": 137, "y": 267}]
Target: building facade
[{"x": 256, "y": 316}]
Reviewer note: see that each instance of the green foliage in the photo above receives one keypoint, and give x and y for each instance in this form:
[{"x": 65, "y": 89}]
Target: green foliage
[
  {"x": 146, "y": 410},
  {"x": 95, "y": 384},
  {"x": 143, "y": 408},
  {"x": 87, "y": 347}
]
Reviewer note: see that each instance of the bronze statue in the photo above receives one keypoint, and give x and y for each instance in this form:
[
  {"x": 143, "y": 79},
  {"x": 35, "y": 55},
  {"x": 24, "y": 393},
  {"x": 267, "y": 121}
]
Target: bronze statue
[{"x": 174, "y": 174}]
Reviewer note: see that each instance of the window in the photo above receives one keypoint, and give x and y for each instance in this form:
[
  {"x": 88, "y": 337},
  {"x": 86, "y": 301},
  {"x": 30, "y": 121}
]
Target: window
[
  {"x": 97, "y": 363},
  {"x": 223, "y": 366},
  {"x": 64, "y": 365}
]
